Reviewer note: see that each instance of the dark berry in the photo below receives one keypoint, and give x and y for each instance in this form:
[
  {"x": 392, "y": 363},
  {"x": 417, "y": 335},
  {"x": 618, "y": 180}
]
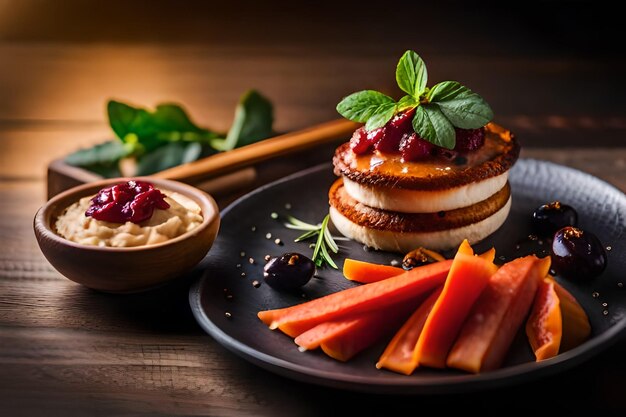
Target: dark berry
[
  {"x": 577, "y": 255},
  {"x": 414, "y": 148},
  {"x": 468, "y": 140},
  {"x": 549, "y": 218},
  {"x": 400, "y": 124},
  {"x": 289, "y": 271}
]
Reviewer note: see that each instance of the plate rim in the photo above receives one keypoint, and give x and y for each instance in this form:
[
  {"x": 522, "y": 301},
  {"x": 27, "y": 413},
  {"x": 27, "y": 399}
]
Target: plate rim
[{"x": 403, "y": 384}]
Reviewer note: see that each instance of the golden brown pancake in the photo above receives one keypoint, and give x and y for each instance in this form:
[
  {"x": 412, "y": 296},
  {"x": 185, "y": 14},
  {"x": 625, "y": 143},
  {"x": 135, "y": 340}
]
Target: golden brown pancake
[{"x": 392, "y": 221}]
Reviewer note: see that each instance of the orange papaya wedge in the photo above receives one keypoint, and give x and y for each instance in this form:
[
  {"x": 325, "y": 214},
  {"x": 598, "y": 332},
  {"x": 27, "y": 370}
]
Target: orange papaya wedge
[
  {"x": 576, "y": 327},
  {"x": 366, "y": 272},
  {"x": 400, "y": 355},
  {"x": 342, "y": 339},
  {"x": 466, "y": 280},
  {"x": 544, "y": 327},
  {"x": 297, "y": 319},
  {"x": 497, "y": 315},
  {"x": 313, "y": 338}
]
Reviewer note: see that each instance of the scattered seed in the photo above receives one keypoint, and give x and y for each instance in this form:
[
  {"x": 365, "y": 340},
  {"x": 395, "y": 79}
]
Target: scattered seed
[
  {"x": 608, "y": 248},
  {"x": 253, "y": 228},
  {"x": 243, "y": 274},
  {"x": 517, "y": 247},
  {"x": 532, "y": 237},
  {"x": 228, "y": 315},
  {"x": 605, "y": 312},
  {"x": 605, "y": 304},
  {"x": 229, "y": 296},
  {"x": 251, "y": 261},
  {"x": 620, "y": 284},
  {"x": 288, "y": 206},
  {"x": 540, "y": 242},
  {"x": 242, "y": 254},
  {"x": 267, "y": 258},
  {"x": 274, "y": 215},
  {"x": 303, "y": 295},
  {"x": 595, "y": 294},
  {"x": 502, "y": 258},
  {"x": 256, "y": 284},
  {"x": 268, "y": 236},
  {"x": 394, "y": 262},
  {"x": 225, "y": 289},
  {"x": 238, "y": 265},
  {"x": 278, "y": 242}
]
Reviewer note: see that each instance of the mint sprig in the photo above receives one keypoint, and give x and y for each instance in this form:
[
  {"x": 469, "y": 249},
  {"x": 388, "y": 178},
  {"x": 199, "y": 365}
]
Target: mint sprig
[{"x": 438, "y": 110}]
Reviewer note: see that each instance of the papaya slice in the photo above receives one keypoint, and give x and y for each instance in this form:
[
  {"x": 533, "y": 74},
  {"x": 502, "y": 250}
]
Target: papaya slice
[
  {"x": 467, "y": 278},
  {"x": 576, "y": 327},
  {"x": 295, "y": 320},
  {"x": 544, "y": 327},
  {"x": 400, "y": 355},
  {"x": 313, "y": 338},
  {"x": 497, "y": 315},
  {"x": 342, "y": 339},
  {"x": 366, "y": 272}
]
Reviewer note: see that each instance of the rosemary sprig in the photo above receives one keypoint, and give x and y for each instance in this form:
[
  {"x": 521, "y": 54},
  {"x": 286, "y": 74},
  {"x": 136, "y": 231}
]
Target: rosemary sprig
[{"x": 324, "y": 242}]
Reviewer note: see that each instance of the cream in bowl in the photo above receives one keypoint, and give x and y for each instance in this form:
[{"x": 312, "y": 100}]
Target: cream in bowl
[
  {"x": 177, "y": 216},
  {"x": 127, "y": 235}
]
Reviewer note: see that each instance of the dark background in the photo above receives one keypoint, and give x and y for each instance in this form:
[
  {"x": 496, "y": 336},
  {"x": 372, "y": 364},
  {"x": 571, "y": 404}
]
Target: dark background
[{"x": 552, "y": 71}]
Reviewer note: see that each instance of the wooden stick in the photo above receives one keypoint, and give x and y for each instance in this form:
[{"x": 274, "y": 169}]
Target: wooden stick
[{"x": 229, "y": 161}]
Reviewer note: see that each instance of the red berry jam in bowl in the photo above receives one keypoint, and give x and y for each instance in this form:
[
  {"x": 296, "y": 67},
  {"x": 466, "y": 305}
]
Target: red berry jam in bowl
[{"x": 131, "y": 201}]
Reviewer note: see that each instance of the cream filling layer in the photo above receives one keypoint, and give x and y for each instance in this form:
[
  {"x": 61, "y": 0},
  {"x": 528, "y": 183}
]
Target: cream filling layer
[
  {"x": 405, "y": 242},
  {"x": 416, "y": 201}
]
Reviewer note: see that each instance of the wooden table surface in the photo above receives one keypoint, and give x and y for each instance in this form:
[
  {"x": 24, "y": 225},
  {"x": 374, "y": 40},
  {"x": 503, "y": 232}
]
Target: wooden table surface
[{"x": 66, "y": 350}]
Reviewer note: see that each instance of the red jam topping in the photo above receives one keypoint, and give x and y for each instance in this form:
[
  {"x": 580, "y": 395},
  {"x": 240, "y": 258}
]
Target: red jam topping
[
  {"x": 132, "y": 201},
  {"x": 398, "y": 137}
]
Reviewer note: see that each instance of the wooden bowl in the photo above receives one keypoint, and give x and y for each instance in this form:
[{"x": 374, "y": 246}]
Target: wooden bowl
[{"x": 125, "y": 270}]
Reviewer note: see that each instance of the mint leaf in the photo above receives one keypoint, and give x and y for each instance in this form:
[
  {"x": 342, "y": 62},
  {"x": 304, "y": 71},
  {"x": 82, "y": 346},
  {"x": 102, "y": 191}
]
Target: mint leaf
[
  {"x": 411, "y": 74},
  {"x": 149, "y": 130},
  {"x": 107, "y": 153},
  {"x": 407, "y": 102},
  {"x": 446, "y": 90},
  {"x": 254, "y": 116},
  {"x": 383, "y": 114},
  {"x": 464, "y": 108},
  {"x": 360, "y": 106},
  {"x": 102, "y": 158},
  {"x": 167, "y": 156},
  {"x": 430, "y": 123}
]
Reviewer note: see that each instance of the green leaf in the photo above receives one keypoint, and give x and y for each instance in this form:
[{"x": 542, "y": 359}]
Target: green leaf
[
  {"x": 411, "y": 74},
  {"x": 168, "y": 123},
  {"x": 430, "y": 123},
  {"x": 384, "y": 113},
  {"x": 107, "y": 153},
  {"x": 167, "y": 156},
  {"x": 464, "y": 108},
  {"x": 407, "y": 102},
  {"x": 254, "y": 116},
  {"x": 362, "y": 105}
]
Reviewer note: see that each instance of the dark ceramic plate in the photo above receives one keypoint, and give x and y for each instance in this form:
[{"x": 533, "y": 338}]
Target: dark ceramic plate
[{"x": 601, "y": 208}]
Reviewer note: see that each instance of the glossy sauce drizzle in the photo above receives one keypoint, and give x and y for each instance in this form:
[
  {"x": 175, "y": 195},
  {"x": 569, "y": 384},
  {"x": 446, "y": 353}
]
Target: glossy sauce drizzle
[{"x": 496, "y": 141}]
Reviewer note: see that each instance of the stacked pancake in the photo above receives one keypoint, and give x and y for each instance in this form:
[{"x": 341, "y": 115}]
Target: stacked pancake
[{"x": 389, "y": 204}]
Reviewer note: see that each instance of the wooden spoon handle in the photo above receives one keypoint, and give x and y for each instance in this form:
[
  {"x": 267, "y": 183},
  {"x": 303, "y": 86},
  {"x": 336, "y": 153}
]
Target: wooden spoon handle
[{"x": 229, "y": 161}]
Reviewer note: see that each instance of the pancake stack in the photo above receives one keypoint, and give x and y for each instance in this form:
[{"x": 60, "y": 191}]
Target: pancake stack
[{"x": 390, "y": 204}]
